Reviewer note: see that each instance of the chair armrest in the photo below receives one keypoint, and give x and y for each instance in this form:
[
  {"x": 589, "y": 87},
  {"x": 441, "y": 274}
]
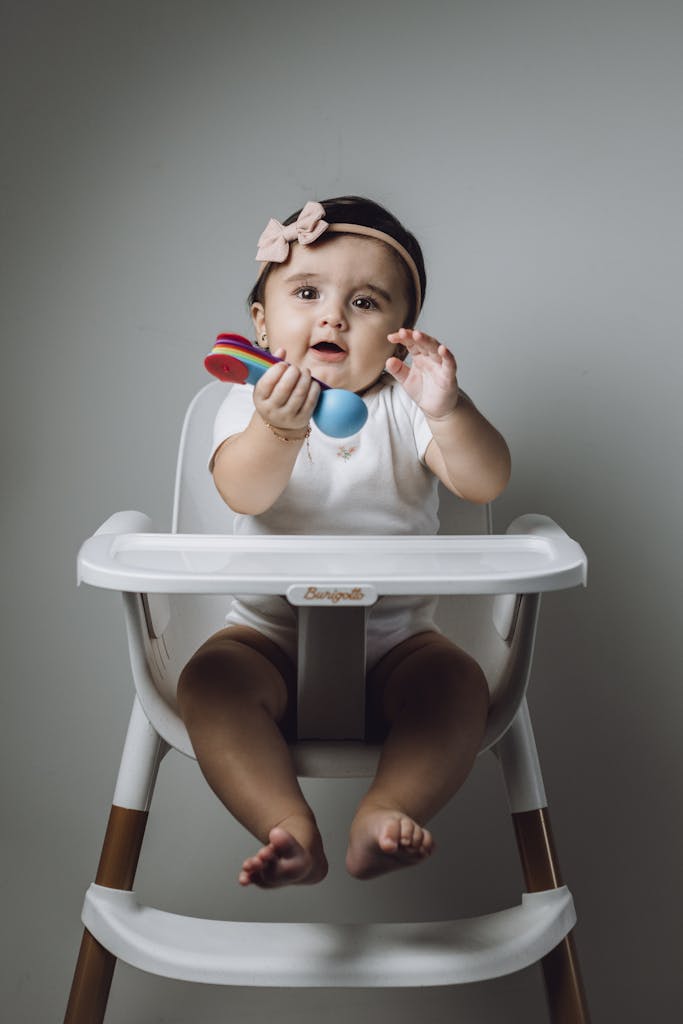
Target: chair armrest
[
  {"x": 117, "y": 524},
  {"x": 125, "y": 522},
  {"x": 534, "y": 525},
  {"x": 156, "y": 607},
  {"x": 506, "y": 606}
]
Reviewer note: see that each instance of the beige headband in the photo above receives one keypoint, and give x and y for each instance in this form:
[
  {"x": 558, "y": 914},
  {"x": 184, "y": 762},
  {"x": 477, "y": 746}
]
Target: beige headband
[{"x": 273, "y": 245}]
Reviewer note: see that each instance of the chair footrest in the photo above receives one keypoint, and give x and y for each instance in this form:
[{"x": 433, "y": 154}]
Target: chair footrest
[{"x": 328, "y": 955}]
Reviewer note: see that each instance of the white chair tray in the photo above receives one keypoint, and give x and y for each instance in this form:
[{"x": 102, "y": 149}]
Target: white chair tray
[{"x": 535, "y": 556}]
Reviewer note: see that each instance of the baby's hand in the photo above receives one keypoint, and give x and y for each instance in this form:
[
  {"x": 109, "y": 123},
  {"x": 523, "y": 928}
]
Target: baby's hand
[
  {"x": 431, "y": 379},
  {"x": 286, "y": 396}
]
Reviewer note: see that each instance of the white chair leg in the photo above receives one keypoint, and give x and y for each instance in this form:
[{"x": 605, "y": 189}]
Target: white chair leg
[
  {"x": 528, "y": 805},
  {"x": 142, "y": 754}
]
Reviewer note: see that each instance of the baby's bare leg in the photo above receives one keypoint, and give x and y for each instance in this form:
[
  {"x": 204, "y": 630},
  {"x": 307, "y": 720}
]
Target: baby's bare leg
[
  {"x": 231, "y": 695},
  {"x": 435, "y": 700}
]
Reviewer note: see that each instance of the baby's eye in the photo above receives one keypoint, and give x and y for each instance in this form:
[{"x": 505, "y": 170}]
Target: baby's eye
[
  {"x": 307, "y": 292},
  {"x": 364, "y": 302}
]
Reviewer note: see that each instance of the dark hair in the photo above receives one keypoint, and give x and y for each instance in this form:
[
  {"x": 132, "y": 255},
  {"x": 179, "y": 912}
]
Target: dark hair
[{"x": 368, "y": 214}]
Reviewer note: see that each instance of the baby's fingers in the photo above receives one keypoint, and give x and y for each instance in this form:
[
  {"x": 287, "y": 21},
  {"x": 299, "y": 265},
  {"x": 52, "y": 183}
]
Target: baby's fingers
[
  {"x": 304, "y": 395},
  {"x": 416, "y": 342},
  {"x": 290, "y": 388},
  {"x": 286, "y": 396},
  {"x": 311, "y": 399},
  {"x": 268, "y": 382},
  {"x": 397, "y": 368},
  {"x": 447, "y": 357}
]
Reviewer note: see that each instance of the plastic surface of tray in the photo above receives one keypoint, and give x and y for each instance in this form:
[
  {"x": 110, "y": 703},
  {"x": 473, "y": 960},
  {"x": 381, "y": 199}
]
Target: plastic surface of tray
[{"x": 539, "y": 558}]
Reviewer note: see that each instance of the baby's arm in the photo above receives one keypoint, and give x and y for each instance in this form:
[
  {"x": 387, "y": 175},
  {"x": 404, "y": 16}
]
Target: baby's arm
[
  {"x": 467, "y": 453},
  {"x": 252, "y": 469}
]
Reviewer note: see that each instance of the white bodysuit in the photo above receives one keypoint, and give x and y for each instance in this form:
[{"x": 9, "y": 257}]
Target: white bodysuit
[{"x": 375, "y": 482}]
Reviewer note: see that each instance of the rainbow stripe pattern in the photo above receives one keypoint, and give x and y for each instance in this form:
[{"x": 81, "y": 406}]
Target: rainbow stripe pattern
[{"x": 237, "y": 361}]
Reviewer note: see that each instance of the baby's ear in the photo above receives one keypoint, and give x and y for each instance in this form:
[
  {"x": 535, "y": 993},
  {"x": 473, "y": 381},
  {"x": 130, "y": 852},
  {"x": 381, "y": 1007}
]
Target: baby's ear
[{"x": 258, "y": 316}]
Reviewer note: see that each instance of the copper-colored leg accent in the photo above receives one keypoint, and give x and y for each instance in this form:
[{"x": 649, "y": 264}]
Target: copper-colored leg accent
[
  {"x": 91, "y": 984},
  {"x": 121, "y": 848},
  {"x": 95, "y": 965},
  {"x": 564, "y": 988}
]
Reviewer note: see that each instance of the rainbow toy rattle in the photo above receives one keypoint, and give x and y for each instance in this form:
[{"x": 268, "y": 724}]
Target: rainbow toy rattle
[{"x": 233, "y": 359}]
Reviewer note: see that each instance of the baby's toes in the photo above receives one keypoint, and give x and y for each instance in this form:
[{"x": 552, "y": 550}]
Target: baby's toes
[
  {"x": 391, "y": 837},
  {"x": 411, "y": 835},
  {"x": 259, "y": 861},
  {"x": 427, "y": 845},
  {"x": 266, "y": 856}
]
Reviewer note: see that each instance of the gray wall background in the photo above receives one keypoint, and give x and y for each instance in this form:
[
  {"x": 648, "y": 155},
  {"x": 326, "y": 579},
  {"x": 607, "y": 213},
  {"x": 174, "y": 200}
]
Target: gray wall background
[{"x": 535, "y": 148}]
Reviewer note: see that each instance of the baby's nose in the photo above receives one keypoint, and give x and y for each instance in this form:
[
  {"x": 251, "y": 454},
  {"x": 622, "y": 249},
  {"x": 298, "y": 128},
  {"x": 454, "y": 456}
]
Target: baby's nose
[{"x": 333, "y": 318}]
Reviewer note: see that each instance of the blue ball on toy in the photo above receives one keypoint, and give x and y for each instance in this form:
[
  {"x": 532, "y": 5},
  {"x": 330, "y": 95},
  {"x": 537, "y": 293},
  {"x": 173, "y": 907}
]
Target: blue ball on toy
[{"x": 340, "y": 413}]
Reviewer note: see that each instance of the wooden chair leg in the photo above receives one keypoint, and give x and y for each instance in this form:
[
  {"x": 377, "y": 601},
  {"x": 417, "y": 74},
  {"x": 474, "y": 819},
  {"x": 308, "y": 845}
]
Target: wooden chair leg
[
  {"x": 95, "y": 966},
  {"x": 91, "y": 983},
  {"x": 564, "y": 988}
]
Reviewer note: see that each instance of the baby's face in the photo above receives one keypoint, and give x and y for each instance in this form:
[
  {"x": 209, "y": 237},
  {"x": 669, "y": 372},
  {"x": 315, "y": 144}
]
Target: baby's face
[{"x": 331, "y": 307}]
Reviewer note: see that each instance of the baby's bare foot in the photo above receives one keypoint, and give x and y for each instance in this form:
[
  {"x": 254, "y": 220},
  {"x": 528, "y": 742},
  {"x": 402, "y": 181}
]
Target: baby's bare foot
[
  {"x": 284, "y": 861},
  {"x": 382, "y": 840}
]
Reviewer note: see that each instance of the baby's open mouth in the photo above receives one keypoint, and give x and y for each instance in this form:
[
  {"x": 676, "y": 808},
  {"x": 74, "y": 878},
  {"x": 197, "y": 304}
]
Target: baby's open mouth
[
  {"x": 327, "y": 346},
  {"x": 329, "y": 352}
]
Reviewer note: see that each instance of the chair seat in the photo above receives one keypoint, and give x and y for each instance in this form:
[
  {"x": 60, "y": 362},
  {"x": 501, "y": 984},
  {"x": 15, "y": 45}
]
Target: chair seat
[{"x": 328, "y": 955}]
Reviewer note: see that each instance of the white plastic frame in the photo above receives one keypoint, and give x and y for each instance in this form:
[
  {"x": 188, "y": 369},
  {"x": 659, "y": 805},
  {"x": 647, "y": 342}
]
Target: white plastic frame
[{"x": 534, "y": 556}]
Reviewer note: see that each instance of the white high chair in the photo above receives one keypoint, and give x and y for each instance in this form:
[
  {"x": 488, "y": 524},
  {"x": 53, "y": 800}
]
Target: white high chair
[{"x": 331, "y": 581}]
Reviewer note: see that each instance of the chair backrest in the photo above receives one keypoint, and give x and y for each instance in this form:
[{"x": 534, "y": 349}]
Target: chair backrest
[{"x": 197, "y": 506}]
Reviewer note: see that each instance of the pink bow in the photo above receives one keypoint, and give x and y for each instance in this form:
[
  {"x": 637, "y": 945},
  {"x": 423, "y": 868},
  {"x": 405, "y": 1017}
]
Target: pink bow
[{"x": 273, "y": 245}]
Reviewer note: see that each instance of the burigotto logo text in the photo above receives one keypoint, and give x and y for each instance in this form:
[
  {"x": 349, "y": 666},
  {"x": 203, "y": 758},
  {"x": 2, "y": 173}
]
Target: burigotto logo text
[{"x": 334, "y": 596}]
